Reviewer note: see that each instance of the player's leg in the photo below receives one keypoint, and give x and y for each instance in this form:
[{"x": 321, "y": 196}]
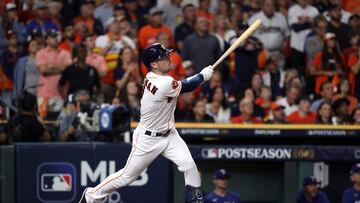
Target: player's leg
[
  {"x": 178, "y": 152},
  {"x": 142, "y": 154}
]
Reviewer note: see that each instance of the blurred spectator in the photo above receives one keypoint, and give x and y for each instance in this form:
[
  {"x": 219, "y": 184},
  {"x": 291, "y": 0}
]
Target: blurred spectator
[
  {"x": 70, "y": 128},
  {"x": 178, "y": 71},
  {"x": 26, "y": 74},
  {"x": 283, "y": 7},
  {"x": 356, "y": 116},
  {"x": 8, "y": 60},
  {"x": 354, "y": 39},
  {"x": 274, "y": 77},
  {"x": 147, "y": 34},
  {"x": 184, "y": 106},
  {"x": 351, "y": 194},
  {"x": 199, "y": 112},
  {"x": 68, "y": 39},
  {"x": 264, "y": 100},
  {"x": 354, "y": 22},
  {"x": 289, "y": 102},
  {"x": 93, "y": 58},
  {"x": 223, "y": 31},
  {"x": 274, "y": 31},
  {"x": 186, "y": 27},
  {"x": 300, "y": 17},
  {"x": 303, "y": 115},
  {"x": 172, "y": 14},
  {"x": 314, "y": 43},
  {"x": 341, "y": 110},
  {"x": 345, "y": 15},
  {"x": 344, "y": 92},
  {"x": 246, "y": 108},
  {"x": 203, "y": 10},
  {"x": 221, "y": 194},
  {"x": 278, "y": 115},
  {"x": 69, "y": 81},
  {"x": 10, "y": 21},
  {"x": 55, "y": 7},
  {"x": 51, "y": 62},
  {"x": 189, "y": 68},
  {"x": 246, "y": 61},
  {"x": 290, "y": 74},
  {"x": 131, "y": 96},
  {"x": 236, "y": 17},
  {"x": 326, "y": 93},
  {"x": 258, "y": 111},
  {"x": 324, "y": 114},
  {"x": 144, "y": 6},
  {"x": 110, "y": 45},
  {"x": 127, "y": 30},
  {"x": 25, "y": 126},
  {"x": 217, "y": 106},
  {"x": 69, "y": 11},
  {"x": 256, "y": 84},
  {"x": 327, "y": 64},
  {"x": 41, "y": 21},
  {"x": 86, "y": 17},
  {"x": 224, "y": 8},
  {"x": 252, "y": 7},
  {"x": 341, "y": 30},
  {"x": 128, "y": 68},
  {"x": 354, "y": 75},
  {"x": 310, "y": 192},
  {"x": 135, "y": 13},
  {"x": 201, "y": 47},
  {"x": 104, "y": 11}
]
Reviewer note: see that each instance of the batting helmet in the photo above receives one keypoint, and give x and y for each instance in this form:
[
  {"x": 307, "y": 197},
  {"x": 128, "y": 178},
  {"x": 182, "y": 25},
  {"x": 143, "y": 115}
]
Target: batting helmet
[{"x": 153, "y": 53}]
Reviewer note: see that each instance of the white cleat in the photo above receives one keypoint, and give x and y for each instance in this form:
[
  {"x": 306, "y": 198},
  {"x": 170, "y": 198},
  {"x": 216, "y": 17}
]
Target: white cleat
[{"x": 83, "y": 199}]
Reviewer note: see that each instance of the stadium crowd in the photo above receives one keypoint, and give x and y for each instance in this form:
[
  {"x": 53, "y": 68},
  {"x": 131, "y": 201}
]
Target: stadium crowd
[{"x": 302, "y": 66}]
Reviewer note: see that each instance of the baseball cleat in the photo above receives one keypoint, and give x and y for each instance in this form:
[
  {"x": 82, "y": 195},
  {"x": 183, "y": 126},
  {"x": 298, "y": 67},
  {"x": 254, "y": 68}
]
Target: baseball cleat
[{"x": 83, "y": 199}]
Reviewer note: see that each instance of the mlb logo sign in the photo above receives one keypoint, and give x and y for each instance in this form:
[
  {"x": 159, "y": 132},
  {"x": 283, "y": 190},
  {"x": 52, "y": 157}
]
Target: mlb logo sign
[
  {"x": 210, "y": 153},
  {"x": 56, "y": 182}
]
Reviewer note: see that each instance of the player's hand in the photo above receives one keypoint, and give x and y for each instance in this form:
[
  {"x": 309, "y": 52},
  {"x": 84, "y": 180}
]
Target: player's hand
[{"x": 207, "y": 72}]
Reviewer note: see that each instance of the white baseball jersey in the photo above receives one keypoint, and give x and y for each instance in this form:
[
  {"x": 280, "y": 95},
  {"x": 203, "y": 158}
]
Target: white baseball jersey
[{"x": 158, "y": 102}]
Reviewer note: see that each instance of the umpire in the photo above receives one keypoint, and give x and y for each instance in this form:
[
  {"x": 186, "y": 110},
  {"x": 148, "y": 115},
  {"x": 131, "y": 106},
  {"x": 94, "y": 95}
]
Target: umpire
[{"x": 310, "y": 192}]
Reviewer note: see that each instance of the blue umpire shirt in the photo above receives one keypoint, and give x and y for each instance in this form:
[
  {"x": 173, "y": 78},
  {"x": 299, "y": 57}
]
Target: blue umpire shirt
[
  {"x": 230, "y": 197},
  {"x": 319, "y": 198},
  {"x": 351, "y": 196}
]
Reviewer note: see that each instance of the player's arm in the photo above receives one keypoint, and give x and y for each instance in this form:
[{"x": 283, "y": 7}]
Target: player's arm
[{"x": 191, "y": 83}]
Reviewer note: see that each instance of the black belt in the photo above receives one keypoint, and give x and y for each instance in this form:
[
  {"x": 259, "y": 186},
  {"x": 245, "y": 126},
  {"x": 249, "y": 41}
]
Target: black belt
[{"x": 165, "y": 134}]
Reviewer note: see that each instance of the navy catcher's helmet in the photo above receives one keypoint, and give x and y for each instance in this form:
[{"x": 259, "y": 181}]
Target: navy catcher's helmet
[{"x": 154, "y": 52}]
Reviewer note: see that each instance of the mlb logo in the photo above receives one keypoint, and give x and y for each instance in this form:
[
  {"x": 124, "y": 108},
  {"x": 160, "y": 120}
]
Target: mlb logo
[
  {"x": 210, "y": 153},
  {"x": 56, "y": 182}
]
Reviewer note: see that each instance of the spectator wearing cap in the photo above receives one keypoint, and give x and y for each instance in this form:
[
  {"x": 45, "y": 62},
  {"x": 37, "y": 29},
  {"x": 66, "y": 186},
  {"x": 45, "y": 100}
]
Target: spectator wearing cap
[
  {"x": 303, "y": 115},
  {"x": 300, "y": 16},
  {"x": 326, "y": 95},
  {"x": 186, "y": 27},
  {"x": 109, "y": 46},
  {"x": 354, "y": 73},
  {"x": 343, "y": 91},
  {"x": 86, "y": 17},
  {"x": 93, "y": 58},
  {"x": 201, "y": 47},
  {"x": 221, "y": 193},
  {"x": 341, "y": 30},
  {"x": 51, "y": 62},
  {"x": 324, "y": 114},
  {"x": 147, "y": 34},
  {"x": 341, "y": 110},
  {"x": 105, "y": 11},
  {"x": 289, "y": 102},
  {"x": 246, "y": 108},
  {"x": 172, "y": 14},
  {"x": 310, "y": 192},
  {"x": 277, "y": 114},
  {"x": 352, "y": 194},
  {"x": 178, "y": 72},
  {"x": 328, "y": 64},
  {"x": 26, "y": 74},
  {"x": 41, "y": 21},
  {"x": 55, "y": 7},
  {"x": 274, "y": 31},
  {"x": 10, "y": 21}
]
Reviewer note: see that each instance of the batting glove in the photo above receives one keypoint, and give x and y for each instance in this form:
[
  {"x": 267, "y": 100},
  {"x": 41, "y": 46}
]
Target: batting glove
[{"x": 207, "y": 72}]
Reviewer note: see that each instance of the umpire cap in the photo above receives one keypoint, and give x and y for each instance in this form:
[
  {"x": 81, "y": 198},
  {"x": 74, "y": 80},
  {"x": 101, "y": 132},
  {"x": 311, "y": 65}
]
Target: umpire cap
[{"x": 153, "y": 53}]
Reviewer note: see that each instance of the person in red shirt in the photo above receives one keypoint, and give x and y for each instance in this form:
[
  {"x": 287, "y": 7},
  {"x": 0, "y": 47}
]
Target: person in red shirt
[
  {"x": 68, "y": 38},
  {"x": 147, "y": 34},
  {"x": 246, "y": 108},
  {"x": 303, "y": 115}
]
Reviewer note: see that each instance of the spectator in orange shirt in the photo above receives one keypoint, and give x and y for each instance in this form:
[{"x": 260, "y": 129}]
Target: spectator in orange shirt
[
  {"x": 344, "y": 92},
  {"x": 324, "y": 114},
  {"x": 246, "y": 108},
  {"x": 354, "y": 75},
  {"x": 86, "y": 16},
  {"x": 68, "y": 38},
  {"x": 178, "y": 71},
  {"x": 303, "y": 115},
  {"x": 203, "y": 10},
  {"x": 328, "y": 64},
  {"x": 147, "y": 34}
]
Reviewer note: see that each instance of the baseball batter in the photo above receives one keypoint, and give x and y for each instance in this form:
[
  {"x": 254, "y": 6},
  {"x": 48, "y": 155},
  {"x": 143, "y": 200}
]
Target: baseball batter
[{"x": 156, "y": 133}]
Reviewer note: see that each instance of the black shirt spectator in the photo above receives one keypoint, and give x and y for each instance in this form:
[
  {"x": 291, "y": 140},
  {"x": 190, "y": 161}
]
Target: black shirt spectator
[
  {"x": 341, "y": 30},
  {"x": 186, "y": 27}
]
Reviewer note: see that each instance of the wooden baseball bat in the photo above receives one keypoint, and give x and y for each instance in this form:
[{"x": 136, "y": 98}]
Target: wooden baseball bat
[{"x": 238, "y": 41}]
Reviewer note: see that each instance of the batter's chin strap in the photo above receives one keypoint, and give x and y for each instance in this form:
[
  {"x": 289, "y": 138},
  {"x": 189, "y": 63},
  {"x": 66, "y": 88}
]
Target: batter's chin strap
[{"x": 195, "y": 194}]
